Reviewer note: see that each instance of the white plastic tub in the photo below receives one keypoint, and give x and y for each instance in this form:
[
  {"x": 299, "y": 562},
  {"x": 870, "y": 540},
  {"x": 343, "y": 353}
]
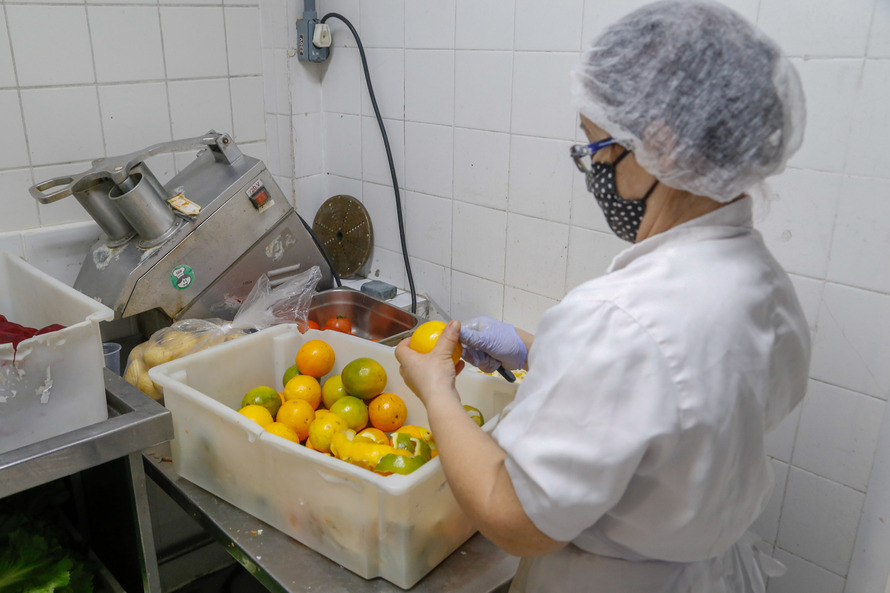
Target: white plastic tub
[
  {"x": 396, "y": 527},
  {"x": 53, "y": 383}
]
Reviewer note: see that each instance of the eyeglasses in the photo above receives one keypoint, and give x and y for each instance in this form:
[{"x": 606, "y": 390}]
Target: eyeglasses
[{"x": 579, "y": 151}]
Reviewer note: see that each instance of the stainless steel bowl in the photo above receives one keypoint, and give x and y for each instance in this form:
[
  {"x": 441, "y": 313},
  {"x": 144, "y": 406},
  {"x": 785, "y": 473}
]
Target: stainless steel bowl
[{"x": 371, "y": 318}]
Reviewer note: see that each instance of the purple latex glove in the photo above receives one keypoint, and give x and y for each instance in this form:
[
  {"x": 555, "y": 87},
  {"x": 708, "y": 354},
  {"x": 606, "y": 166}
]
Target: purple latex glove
[{"x": 489, "y": 343}]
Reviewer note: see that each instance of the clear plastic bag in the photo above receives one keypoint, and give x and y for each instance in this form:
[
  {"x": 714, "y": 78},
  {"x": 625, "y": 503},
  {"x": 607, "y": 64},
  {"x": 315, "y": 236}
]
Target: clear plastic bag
[{"x": 265, "y": 306}]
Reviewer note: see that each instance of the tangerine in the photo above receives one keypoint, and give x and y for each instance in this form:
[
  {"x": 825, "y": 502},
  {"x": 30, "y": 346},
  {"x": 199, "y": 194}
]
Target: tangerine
[
  {"x": 427, "y": 334},
  {"x": 304, "y": 387},
  {"x": 364, "y": 378},
  {"x": 375, "y": 434},
  {"x": 332, "y": 390},
  {"x": 263, "y": 396},
  {"x": 315, "y": 358},
  {"x": 298, "y": 415},
  {"x": 322, "y": 430},
  {"x": 283, "y": 430},
  {"x": 387, "y": 412},
  {"x": 353, "y": 410},
  {"x": 291, "y": 372}
]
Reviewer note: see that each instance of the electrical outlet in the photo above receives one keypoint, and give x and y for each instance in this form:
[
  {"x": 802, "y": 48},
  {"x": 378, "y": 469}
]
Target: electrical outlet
[{"x": 307, "y": 51}]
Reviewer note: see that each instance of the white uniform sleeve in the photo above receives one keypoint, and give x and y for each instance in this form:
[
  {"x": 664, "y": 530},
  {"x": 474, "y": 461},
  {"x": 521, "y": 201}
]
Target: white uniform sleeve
[{"x": 597, "y": 407}]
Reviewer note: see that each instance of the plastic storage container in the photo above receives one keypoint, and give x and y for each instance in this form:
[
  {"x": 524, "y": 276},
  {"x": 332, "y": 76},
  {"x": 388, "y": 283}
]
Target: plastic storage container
[
  {"x": 53, "y": 383},
  {"x": 396, "y": 527}
]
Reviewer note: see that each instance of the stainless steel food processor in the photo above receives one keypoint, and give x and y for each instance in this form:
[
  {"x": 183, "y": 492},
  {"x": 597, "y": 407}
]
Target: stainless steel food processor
[{"x": 193, "y": 247}]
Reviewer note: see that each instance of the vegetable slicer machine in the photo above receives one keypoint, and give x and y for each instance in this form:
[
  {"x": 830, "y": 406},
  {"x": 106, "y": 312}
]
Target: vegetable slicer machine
[{"x": 193, "y": 247}]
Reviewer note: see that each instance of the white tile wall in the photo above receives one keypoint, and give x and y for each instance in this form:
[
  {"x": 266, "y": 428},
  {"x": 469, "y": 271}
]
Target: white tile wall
[
  {"x": 542, "y": 101},
  {"x": 869, "y": 141},
  {"x": 429, "y": 24},
  {"x": 7, "y": 70},
  {"x": 248, "y": 109},
  {"x": 134, "y": 116},
  {"x": 479, "y": 237},
  {"x": 838, "y": 433},
  {"x": 554, "y": 28},
  {"x": 482, "y": 90},
  {"x": 428, "y": 228},
  {"x": 828, "y": 541},
  {"x": 381, "y": 205},
  {"x": 15, "y": 184},
  {"x": 195, "y": 41},
  {"x": 851, "y": 347},
  {"x": 374, "y": 165},
  {"x": 481, "y": 167},
  {"x": 835, "y": 31},
  {"x": 383, "y": 25},
  {"x": 429, "y": 86},
  {"x": 58, "y": 31},
  {"x": 541, "y": 178},
  {"x": 343, "y": 83},
  {"x": 126, "y": 43},
  {"x": 484, "y": 24},
  {"x": 197, "y": 106},
  {"x": 534, "y": 265},
  {"x": 14, "y": 151},
  {"x": 473, "y": 296},
  {"x": 243, "y": 44},
  {"x": 803, "y": 576},
  {"x": 62, "y": 124},
  {"x": 428, "y": 154}
]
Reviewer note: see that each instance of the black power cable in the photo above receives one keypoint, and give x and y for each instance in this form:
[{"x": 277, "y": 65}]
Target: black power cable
[
  {"x": 321, "y": 248},
  {"x": 392, "y": 168}
]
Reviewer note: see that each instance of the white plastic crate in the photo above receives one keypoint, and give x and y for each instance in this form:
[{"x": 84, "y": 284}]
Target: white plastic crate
[
  {"x": 53, "y": 383},
  {"x": 396, "y": 527}
]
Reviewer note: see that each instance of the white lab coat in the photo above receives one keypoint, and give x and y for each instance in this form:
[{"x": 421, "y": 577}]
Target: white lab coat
[{"x": 638, "y": 432}]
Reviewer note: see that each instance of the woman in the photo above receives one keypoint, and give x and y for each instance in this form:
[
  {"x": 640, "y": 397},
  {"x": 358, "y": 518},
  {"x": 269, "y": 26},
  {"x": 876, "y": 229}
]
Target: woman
[{"x": 632, "y": 458}]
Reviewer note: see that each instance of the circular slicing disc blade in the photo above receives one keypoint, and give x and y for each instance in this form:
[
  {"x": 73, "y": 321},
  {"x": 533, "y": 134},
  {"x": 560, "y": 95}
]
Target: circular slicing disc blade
[{"x": 343, "y": 227}]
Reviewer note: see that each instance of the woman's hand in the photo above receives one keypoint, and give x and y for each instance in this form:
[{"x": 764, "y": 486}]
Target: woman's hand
[
  {"x": 489, "y": 343},
  {"x": 432, "y": 374}
]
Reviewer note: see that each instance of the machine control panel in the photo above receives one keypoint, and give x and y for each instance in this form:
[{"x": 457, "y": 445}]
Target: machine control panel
[{"x": 258, "y": 195}]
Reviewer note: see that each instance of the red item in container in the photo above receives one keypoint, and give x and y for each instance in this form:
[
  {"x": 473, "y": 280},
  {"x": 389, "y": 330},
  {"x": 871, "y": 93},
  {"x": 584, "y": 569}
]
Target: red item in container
[{"x": 13, "y": 333}]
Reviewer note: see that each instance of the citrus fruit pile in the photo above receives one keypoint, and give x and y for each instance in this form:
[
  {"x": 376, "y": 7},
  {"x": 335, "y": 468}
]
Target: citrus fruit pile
[{"x": 348, "y": 415}]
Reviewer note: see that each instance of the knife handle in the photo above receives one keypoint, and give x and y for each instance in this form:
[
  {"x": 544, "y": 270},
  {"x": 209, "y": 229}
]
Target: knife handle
[{"x": 506, "y": 374}]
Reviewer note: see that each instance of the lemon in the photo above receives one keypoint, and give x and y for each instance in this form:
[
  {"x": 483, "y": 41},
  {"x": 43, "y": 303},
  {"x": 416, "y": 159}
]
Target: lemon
[
  {"x": 289, "y": 374},
  {"x": 322, "y": 430},
  {"x": 475, "y": 414}
]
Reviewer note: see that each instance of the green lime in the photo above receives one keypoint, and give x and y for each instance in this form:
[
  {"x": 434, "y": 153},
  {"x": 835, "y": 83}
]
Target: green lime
[
  {"x": 289, "y": 374},
  {"x": 475, "y": 414},
  {"x": 332, "y": 390},
  {"x": 399, "y": 464},
  {"x": 263, "y": 396}
]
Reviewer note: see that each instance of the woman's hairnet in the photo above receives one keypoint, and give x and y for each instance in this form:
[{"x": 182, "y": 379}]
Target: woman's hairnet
[{"x": 705, "y": 100}]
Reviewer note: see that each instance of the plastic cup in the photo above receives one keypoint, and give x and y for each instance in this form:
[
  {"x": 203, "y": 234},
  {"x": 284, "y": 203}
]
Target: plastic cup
[{"x": 112, "y": 353}]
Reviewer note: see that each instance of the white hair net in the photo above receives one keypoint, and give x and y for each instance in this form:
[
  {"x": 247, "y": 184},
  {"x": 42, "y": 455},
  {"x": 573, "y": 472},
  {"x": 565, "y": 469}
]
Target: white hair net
[{"x": 705, "y": 100}]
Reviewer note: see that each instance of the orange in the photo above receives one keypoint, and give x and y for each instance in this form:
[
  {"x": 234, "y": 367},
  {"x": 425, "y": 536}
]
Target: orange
[
  {"x": 387, "y": 412},
  {"x": 375, "y": 434},
  {"x": 303, "y": 387},
  {"x": 297, "y": 414},
  {"x": 332, "y": 390},
  {"x": 258, "y": 414},
  {"x": 283, "y": 430},
  {"x": 321, "y": 412},
  {"x": 364, "y": 378},
  {"x": 353, "y": 410},
  {"x": 315, "y": 358},
  {"x": 427, "y": 334},
  {"x": 291, "y": 372},
  {"x": 322, "y": 430}
]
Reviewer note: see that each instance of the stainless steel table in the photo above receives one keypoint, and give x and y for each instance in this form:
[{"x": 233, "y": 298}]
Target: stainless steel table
[
  {"x": 284, "y": 565},
  {"x": 135, "y": 422}
]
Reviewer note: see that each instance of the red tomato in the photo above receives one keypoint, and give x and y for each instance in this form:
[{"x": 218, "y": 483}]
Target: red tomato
[
  {"x": 339, "y": 323},
  {"x": 308, "y": 325}
]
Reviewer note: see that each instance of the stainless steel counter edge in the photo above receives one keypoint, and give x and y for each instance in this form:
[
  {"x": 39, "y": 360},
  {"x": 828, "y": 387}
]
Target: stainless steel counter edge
[
  {"x": 284, "y": 565},
  {"x": 135, "y": 422}
]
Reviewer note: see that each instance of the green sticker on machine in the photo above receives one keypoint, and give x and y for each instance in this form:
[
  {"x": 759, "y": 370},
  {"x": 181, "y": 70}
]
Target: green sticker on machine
[{"x": 182, "y": 277}]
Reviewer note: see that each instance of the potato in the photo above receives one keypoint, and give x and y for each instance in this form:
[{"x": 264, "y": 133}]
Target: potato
[
  {"x": 148, "y": 387},
  {"x": 136, "y": 366},
  {"x": 170, "y": 346}
]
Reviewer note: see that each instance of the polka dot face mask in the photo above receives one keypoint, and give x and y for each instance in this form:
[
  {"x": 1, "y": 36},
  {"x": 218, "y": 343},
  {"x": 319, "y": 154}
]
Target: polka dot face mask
[{"x": 623, "y": 216}]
